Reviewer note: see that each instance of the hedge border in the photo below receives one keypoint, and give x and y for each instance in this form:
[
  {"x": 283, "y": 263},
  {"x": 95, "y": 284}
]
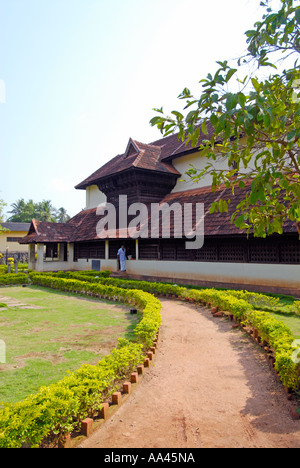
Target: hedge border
[
  {"x": 58, "y": 409},
  {"x": 243, "y": 305},
  {"x": 275, "y": 335},
  {"x": 274, "y": 332}
]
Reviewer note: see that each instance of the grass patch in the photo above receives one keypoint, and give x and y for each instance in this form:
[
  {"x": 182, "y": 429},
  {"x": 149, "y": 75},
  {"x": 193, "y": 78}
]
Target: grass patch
[
  {"x": 57, "y": 334},
  {"x": 292, "y": 321}
]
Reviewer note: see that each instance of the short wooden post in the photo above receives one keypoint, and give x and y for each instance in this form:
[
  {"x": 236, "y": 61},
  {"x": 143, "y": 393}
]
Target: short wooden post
[
  {"x": 87, "y": 426},
  {"x": 134, "y": 377},
  {"x": 127, "y": 387},
  {"x": 104, "y": 410},
  {"x": 65, "y": 441},
  {"x": 116, "y": 398}
]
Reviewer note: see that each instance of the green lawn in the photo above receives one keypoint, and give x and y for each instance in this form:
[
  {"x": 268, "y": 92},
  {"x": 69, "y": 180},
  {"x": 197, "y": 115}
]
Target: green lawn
[
  {"x": 59, "y": 334},
  {"x": 292, "y": 321}
]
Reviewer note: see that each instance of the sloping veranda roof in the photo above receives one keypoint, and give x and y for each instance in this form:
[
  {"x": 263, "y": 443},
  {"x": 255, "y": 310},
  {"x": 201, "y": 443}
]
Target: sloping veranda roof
[{"x": 83, "y": 226}]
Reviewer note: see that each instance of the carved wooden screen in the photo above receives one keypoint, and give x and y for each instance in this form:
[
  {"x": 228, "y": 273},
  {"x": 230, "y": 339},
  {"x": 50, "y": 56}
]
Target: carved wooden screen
[
  {"x": 235, "y": 250},
  {"x": 148, "y": 250},
  {"x": 89, "y": 250},
  {"x": 290, "y": 252}
]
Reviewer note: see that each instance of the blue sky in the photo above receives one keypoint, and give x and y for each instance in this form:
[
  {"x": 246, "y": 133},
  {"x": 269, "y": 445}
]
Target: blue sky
[{"x": 82, "y": 76}]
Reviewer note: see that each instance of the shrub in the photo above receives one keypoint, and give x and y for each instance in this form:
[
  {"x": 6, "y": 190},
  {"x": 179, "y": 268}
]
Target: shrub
[
  {"x": 12, "y": 278},
  {"x": 257, "y": 300},
  {"x": 296, "y": 307},
  {"x": 58, "y": 408}
]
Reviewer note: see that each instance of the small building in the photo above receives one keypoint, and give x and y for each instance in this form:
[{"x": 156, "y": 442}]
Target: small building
[
  {"x": 9, "y": 240},
  {"x": 148, "y": 175}
]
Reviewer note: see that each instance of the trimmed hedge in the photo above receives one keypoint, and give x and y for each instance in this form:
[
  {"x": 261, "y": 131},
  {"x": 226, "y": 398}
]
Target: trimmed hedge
[
  {"x": 273, "y": 331},
  {"x": 12, "y": 278},
  {"x": 243, "y": 305},
  {"x": 296, "y": 307},
  {"x": 58, "y": 408}
]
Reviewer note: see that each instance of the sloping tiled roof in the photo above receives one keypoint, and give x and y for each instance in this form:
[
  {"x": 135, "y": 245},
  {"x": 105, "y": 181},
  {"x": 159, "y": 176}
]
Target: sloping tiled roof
[
  {"x": 19, "y": 227},
  {"x": 43, "y": 231},
  {"x": 83, "y": 226},
  {"x": 171, "y": 147},
  {"x": 218, "y": 224},
  {"x": 146, "y": 157},
  {"x": 155, "y": 156}
]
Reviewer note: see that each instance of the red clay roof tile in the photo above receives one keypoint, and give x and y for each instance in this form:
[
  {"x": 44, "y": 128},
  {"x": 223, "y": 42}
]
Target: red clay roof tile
[{"x": 83, "y": 226}]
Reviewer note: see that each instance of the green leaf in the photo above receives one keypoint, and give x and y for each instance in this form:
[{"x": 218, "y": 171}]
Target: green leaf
[
  {"x": 155, "y": 121},
  {"x": 242, "y": 99},
  {"x": 178, "y": 115},
  {"x": 204, "y": 128},
  {"x": 230, "y": 74},
  {"x": 213, "y": 207},
  {"x": 158, "y": 110},
  {"x": 190, "y": 116},
  {"x": 214, "y": 120},
  {"x": 256, "y": 85},
  {"x": 291, "y": 135},
  {"x": 223, "y": 206}
]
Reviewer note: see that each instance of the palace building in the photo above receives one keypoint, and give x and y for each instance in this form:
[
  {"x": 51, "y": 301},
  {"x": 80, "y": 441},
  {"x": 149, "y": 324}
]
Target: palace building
[{"x": 150, "y": 175}]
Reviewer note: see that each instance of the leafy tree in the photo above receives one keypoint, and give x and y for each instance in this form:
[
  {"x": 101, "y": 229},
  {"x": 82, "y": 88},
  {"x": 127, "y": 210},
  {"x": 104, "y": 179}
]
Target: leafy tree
[
  {"x": 256, "y": 127},
  {"x": 22, "y": 211},
  {"x": 62, "y": 215},
  {"x": 43, "y": 211},
  {"x": 2, "y": 205}
]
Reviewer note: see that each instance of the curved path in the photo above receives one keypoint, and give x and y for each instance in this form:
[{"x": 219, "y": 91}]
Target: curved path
[{"x": 210, "y": 387}]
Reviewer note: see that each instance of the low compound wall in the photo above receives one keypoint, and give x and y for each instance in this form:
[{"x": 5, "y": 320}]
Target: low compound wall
[{"x": 279, "y": 279}]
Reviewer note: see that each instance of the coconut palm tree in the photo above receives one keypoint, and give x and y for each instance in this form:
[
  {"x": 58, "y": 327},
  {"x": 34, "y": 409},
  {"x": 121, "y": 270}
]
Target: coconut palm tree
[{"x": 62, "y": 215}]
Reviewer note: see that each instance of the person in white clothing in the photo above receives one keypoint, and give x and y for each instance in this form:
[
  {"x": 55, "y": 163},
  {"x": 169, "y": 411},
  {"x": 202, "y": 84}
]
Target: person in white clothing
[{"x": 122, "y": 258}]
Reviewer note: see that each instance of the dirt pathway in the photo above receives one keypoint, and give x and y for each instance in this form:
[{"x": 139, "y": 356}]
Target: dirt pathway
[{"x": 210, "y": 387}]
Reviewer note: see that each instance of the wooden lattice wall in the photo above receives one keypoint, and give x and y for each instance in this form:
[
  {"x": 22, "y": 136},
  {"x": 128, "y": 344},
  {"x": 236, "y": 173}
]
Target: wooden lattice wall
[{"x": 284, "y": 250}]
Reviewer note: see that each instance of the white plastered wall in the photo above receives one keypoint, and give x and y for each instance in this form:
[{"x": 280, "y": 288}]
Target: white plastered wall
[
  {"x": 284, "y": 277},
  {"x": 94, "y": 197},
  {"x": 199, "y": 162}
]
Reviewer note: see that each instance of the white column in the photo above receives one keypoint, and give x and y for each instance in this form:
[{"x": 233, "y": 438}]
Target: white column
[
  {"x": 40, "y": 257},
  {"x": 31, "y": 257},
  {"x": 70, "y": 253},
  {"x": 60, "y": 252},
  {"x": 107, "y": 250},
  {"x": 136, "y": 249}
]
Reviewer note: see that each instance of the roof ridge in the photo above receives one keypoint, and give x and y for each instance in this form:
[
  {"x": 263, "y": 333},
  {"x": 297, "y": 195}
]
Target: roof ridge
[{"x": 138, "y": 158}]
